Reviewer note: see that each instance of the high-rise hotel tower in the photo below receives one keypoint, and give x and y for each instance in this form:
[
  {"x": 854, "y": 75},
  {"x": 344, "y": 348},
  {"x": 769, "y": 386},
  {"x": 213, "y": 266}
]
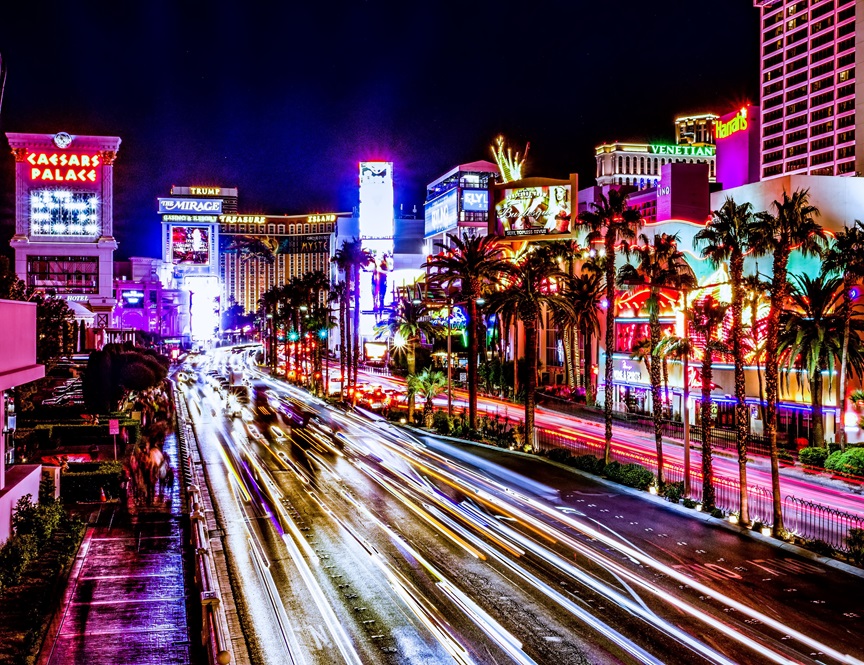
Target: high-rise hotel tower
[{"x": 810, "y": 110}]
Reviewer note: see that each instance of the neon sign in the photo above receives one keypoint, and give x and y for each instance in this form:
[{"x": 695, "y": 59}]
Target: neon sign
[
  {"x": 190, "y": 205},
  {"x": 732, "y": 126},
  {"x": 63, "y": 166},
  {"x": 205, "y": 191},
  {"x": 189, "y": 218},
  {"x": 313, "y": 219},
  {"x": 682, "y": 150},
  {"x": 242, "y": 219},
  {"x": 628, "y": 373}
]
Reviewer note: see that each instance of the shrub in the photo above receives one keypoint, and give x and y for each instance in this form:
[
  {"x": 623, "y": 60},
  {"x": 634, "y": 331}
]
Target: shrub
[
  {"x": 689, "y": 503},
  {"x": 15, "y": 554},
  {"x": 855, "y": 543},
  {"x": 673, "y": 491},
  {"x": 813, "y": 456},
  {"x": 588, "y": 463},
  {"x": 86, "y": 486},
  {"x": 561, "y": 455},
  {"x": 631, "y": 475},
  {"x": 36, "y": 519},
  {"x": 441, "y": 423},
  {"x": 821, "y": 547},
  {"x": 717, "y": 513},
  {"x": 848, "y": 463}
]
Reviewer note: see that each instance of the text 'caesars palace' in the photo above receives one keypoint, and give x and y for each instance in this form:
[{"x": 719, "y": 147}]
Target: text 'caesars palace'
[{"x": 215, "y": 254}]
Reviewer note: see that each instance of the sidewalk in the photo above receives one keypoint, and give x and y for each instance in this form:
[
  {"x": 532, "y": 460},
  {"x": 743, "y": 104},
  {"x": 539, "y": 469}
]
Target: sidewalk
[{"x": 125, "y": 601}]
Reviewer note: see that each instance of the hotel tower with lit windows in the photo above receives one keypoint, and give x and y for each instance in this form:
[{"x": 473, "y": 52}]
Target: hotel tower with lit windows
[{"x": 811, "y": 115}]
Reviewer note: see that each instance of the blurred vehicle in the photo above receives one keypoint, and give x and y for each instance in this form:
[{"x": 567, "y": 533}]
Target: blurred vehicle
[
  {"x": 374, "y": 400},
  {"x": 262, "y": 408}
]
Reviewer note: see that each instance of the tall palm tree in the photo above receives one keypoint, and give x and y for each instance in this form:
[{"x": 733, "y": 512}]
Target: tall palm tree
[
  {"x": 471, "y": 266},
  {"x": 755, "y": 289},
  {"x": 845, "y": 257},
  {"x": 352, "y": 257},
  {"x": 812, "y": 332},
  {"x": 338, "y": 292},
  {"x": 706, "y": 316},
  {"x": 341, "y": 259},
  {"x": 659, "y": 264},
  {"x": 405, "y": 324},
  {"x": 726, "y": 239},
  {"x": 610, "y": 221},
  {"x": 533, "y": 285},
  {"x": 792, "y": 225},
  {"x": 268, "y": 305},
  {"x": 428, "y": 384},
  {"x": 586, "y": 292},
  {"x": 672, "y": 347}
]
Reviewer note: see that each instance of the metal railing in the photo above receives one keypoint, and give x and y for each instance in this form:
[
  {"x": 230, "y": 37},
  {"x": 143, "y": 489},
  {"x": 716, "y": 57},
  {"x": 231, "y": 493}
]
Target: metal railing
[
  {"x": 215, "y": 633},
  {"x": 806, "y": 519},
  {"x": 813, "y": 521}
]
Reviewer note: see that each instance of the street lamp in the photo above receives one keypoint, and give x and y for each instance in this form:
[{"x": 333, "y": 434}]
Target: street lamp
[{"x": 449, "y": 358}]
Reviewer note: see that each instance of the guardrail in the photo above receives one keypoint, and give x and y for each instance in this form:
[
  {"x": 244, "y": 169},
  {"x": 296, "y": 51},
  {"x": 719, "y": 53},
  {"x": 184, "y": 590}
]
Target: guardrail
[
  {"x": 214, "y": 634},
  {"x": 813, "y": 521}
]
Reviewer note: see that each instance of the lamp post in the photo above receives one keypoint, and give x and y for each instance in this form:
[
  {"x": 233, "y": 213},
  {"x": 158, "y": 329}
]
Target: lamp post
[{"x": 685, "y": 399}]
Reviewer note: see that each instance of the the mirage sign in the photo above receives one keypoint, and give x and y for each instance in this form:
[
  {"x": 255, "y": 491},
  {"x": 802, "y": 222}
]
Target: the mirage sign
[{"x": 209, "y": 206}]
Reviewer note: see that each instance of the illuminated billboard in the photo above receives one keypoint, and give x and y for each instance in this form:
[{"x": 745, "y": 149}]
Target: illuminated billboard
[
  {"x": 206, "y": 206},
  {"x": 441, "y": 214},
  {"x": 63, "y": 212},
  {"x": 531, "y": 211},
  {"x": 376, "y": 201},
  {"x": 190, "y": 245},
  {"x": 475, "y": 200},
  {"x": 53, "y": 166}
]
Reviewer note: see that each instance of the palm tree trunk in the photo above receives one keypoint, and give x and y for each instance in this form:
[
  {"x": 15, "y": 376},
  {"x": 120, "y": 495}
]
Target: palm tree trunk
[
  {"x": 342, "y": 331},
  {"x": 590, "y": 391},
  {"x": 707, "y": 461},
  {"x": 772, "y": 371},
  {"x": 839, "y": 426},
  {"x": 515, "y": 359},
  {"x": 610, "y": 344},
  {"x": 348, "y": 337},
  {"x": 531, "y": 360},
  {"x": 742, "y": 420},
  {"x": 817, "y": 431},
  {"x": 665, "y": 367},
  {"x": 567, "y": 340},
  {"x": 412, "y": 369},
  {"x": 355, "y": 358},
  {"x": 656, "y": 402},
  {"x": 471, "y": 304}
]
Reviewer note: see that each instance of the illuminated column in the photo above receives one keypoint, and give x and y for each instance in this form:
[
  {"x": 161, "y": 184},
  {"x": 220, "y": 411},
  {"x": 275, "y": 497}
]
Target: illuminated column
[{"x": 107, "y": 194}]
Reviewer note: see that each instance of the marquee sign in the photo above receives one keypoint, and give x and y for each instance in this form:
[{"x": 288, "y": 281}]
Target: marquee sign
[
  {"x": 314, "y": 219},
  {"x": 190, "y": 205},
  {"x": 64, "y": 166},
  {"x": 208, "y": 219},
  {"x": 317, "y": 244}
]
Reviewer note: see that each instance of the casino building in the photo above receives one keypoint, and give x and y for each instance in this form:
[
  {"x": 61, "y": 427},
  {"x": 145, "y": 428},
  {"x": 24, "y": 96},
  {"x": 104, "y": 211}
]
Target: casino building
[
  {"x": 64, "y": 218},
  {"x": 639, "y": 164},
  {"x": 257, "y": 252}
]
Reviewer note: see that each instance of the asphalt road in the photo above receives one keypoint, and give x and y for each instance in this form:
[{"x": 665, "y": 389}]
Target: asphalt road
[{"x": 373, "y": 545}]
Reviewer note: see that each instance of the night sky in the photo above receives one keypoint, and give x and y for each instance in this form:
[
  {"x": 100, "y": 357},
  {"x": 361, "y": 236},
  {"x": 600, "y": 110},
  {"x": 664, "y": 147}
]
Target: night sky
[{"x": 283, "y": 102}]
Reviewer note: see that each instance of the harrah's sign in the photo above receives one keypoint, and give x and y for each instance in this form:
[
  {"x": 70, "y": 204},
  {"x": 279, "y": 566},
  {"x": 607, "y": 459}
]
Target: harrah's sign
[
  {"x": 736, "y": 124},
  {"x": 63, "y": 166}
]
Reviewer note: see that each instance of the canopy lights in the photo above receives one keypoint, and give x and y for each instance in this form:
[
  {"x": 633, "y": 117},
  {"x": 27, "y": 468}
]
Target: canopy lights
[{"x": 61, "y": 212}]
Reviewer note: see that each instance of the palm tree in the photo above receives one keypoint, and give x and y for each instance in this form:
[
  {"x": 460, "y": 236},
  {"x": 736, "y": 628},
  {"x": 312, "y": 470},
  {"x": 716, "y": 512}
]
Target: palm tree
[
  {"x": 338, "y": 292},
  {"x": 268, "y": 305},
  {"x": 755, "y": 289},
  {"x": 726, "y": 239},
  {"x": 706, "y": 316},
  {"x": 341, "y": 259},
  {"x": 791, "y": 226},
  {"x": 586, "y": 292},
  {"x": 404, "y": 326},
  {"x": 812, "y": 332},
  {"x": 472, "y": 265},
  {"x": 672, "y": 347},
  {"x": 610, "y": 221},
  {"x": 845, "y": 256},
  {"x": 351, "y": 258},
  {"x": 429, "y": 385},
  {"x": 659, "y": 265},
  {"x": 533, "y": 285}
]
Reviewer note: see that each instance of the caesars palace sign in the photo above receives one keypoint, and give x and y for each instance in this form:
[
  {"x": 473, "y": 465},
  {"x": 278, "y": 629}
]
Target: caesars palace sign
[{"x": 63, "y": 166}]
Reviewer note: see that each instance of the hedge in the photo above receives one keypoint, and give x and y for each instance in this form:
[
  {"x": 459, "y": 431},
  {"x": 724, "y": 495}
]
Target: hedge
[
  {"x": 813, "y": 456},
  {"x": 847, "y": 463},
  {"x": 84, "y": 486}
]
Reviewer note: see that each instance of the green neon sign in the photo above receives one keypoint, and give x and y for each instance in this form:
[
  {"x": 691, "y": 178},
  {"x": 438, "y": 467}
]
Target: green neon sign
[{"x": 683, "y": 150}]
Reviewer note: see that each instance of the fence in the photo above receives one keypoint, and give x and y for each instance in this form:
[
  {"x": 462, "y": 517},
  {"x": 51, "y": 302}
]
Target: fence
[
  {"x": 813, "y": 521},
  {"x": 805, "y": 519},
  {"x": 720, "y": 439}
]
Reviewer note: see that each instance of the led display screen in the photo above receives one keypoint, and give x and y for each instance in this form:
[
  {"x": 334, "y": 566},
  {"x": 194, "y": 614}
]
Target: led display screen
[
  {"x": 190, "y": 245},
  {"x": 475, "y": 200},
  {"x": 61, "y": 212},
  {"x": 376, "y": 200},
  {"x": 133, "y": 298},
  {"x": 64, "y": 167},
  {"x": 529, "y": 211},
  {"x": 441, "y": 214}
]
